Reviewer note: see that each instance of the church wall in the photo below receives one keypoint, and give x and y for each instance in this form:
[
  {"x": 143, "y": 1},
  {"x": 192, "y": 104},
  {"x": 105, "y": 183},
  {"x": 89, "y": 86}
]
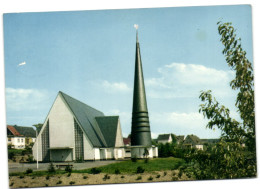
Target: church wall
[
  {"x": 89, "y": 152},
  {"x": 61, "y": 125},
  {"x": 119, "y": 137},
  {"x": 97, "y": 153}
]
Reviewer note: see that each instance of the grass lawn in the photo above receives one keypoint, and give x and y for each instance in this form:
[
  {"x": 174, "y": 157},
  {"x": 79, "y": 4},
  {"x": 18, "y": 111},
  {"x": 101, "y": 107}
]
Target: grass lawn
[
  {"x": 129, "y": 167},
  {"x": 157, "y": 164}
]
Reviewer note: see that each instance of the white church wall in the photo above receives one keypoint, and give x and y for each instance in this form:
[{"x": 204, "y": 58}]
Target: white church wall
[
  {"x": 97, "y": 154},
  {"x": 119, "y": 137},
  {"x": 34, "y": 149},
  {"x": 61, "y": 125},
  {"x": 89, "y": 152}
]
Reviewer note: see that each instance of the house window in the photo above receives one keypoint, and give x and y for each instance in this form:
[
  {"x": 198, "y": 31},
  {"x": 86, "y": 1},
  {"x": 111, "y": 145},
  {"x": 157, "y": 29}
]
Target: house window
[
  {"x": 18, "y": 140},
  {"x": 21, "y": 140},
  {"x": 9, "y": 139}
]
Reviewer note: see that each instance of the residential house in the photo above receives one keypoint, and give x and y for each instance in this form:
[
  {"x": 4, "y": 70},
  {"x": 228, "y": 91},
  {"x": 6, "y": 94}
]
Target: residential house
[
  {"x": 192, "y": 141},
  {"x": 19, "y": 137}
]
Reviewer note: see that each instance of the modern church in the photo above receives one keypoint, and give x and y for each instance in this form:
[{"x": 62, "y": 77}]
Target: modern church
[{"x": 75, "y": 131}]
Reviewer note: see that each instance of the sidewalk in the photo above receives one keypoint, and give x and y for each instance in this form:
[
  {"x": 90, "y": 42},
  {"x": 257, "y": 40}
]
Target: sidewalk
[{"x": 22, "y": 167}]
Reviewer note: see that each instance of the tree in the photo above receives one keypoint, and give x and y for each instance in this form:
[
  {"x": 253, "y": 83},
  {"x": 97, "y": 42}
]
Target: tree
[
  {"x": 229, "y": 159},
  {"x": 38, "y": 127}
]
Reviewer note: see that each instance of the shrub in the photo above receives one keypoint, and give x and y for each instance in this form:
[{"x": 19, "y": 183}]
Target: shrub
[
  {"x": 95, "y": 171},
  {"x": 106, "y": 177},
  {"x": 69, "y": 174},
  {"x": 122, "y": 176},
  {"x": 139, "y": 169},
  {"x": 46, "y": 185},
  {"x": 134, "y": 159},
  {"x": 11, "y": 155},
  {"x": 139, "y": 178},
  {"x": 72, "y": 182},
  {"x": 174, "y": 178},
  {"x": 28, "y": 171},
  {"x": 47, "y": 177},
  {"x": 158, "y": 176},
  {"x": 164, "y": 173},
  {"x": 150, "y": 178},
  {"x": 68, "y": 168},
  {"x": 30, "y": 159},
  {"x": 85, "y": 177},
  {"x": 11, "y": 184},
  {"x": 117, "y": 171},
  {"x": 21, "y": 176},
  {"x": 51, "y": 168},
  {"x": 59, "y": 182}
]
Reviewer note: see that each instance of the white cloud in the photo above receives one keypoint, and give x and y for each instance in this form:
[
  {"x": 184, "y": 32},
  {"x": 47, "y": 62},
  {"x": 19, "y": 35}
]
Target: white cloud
[
  {"x": 22, "y": 63},
  {"x": 25, "y": 99},
  {"x": 115, "y": 87},
  {"x": 181, "y": 124},
  {"x": 187, "y": 80}
]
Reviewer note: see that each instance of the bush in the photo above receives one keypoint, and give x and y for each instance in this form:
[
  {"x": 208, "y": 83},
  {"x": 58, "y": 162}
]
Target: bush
[
  {"x": 47, "y": 177},
  {"x": 139, "y": 169},
  {"x": 59, "y": 182},
  {"x": 11, "y": 155},
  {"x": 139, "y": 178},
  {"x": 28, "y": 171},
  {"x": 95, "y": 171},
  {"x": 150, "y": 178},
  {"x": 21, "y": 177},
  {"x": 30, "y": 159},
  {"x": 51, "y": 168},
  {"x": 69, "y": 174},
  {"x": 85, "y": 177},
  {"x": 72, "y": 182},
  {"x": 174, "y": 178},
  {"x": 122, "y": 176},
  {"x": 106, "y": 177},
  {"x": 164, "y": 173},
  {"x": 68, "y": 168},
  {"x": 158, "y": 176},
  {"x": 117, "y": 171},
  {"x": 134, "y": 159}
]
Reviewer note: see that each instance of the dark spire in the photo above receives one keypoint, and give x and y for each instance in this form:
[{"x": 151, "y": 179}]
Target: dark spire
[{"x": 141, "y": 134}]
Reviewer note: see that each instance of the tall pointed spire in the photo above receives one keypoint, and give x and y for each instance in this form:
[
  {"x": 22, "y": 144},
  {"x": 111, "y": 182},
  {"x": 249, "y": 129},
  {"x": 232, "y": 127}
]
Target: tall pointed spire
[{"x": 141, "y": 134}]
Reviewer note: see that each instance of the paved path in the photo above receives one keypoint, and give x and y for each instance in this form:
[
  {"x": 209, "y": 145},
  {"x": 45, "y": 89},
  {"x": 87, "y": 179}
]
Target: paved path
[{"x": 22, "y": 167}]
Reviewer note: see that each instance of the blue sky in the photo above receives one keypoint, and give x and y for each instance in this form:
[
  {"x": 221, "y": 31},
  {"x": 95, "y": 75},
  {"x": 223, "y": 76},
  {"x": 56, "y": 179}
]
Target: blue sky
[{"x": 90, "y": 56}]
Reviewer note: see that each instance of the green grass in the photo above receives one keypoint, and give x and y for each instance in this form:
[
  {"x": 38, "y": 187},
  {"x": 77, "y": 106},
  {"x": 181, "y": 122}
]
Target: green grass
[
  {"x": 157, "y": 164},
  {"x": 129, "y": 167}
]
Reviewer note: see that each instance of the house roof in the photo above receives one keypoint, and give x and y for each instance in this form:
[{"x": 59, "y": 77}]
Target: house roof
[
  {"x": 108, "y": 126},
  {"x": 192, "y": 139},
  {"x": 13, "y": 130},
  {"x": 163, "y": 137},
  {"x": 26, "y": 131}
]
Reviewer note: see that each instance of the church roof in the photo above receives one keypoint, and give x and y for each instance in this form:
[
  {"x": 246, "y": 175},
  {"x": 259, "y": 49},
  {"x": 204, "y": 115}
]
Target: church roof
[
  {"x": 108, "y": 127},
  {"x": 100, "y": 129}
]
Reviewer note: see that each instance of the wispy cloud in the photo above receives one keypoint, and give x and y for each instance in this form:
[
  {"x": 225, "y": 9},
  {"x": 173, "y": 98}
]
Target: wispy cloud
[
  {"x": 187, "y": 80},
  {"x": 115, "y": 87},
  {"x": 25, "y": 99},
  {"x": 181, "y": 124},
  {"x": 22, "y": 63}
]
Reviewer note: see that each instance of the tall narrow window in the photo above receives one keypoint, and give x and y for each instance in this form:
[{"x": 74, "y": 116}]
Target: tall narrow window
[
  {"x": 45, "y": 143},
  {"x": 79, "y": 153}
]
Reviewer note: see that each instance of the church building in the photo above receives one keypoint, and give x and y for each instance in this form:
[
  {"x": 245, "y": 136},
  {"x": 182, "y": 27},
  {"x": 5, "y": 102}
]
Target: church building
[{"x": 75, "y": 131}]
